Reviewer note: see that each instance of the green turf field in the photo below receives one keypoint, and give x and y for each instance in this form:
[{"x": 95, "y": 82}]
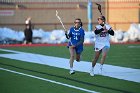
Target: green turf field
[{"x": 119, "y": 55}]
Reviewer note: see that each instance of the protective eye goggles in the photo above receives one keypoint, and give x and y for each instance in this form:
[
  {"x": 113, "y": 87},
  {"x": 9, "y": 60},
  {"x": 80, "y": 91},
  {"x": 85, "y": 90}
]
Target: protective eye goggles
[
  {"x": 100, "y": 18},
  {"x": 77, "y": 22}
]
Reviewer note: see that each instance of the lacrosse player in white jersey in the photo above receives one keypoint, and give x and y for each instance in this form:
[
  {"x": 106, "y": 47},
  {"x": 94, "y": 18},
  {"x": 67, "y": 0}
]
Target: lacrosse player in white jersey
[{"x": 102, "y": 42}]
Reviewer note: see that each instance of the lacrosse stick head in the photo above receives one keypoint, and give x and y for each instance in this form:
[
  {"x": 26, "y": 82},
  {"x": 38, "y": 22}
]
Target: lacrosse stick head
[
  {"x": 56, "y": 13},
  {"x": 60, "y": 20},
  {"x": 99, "y": 8}
]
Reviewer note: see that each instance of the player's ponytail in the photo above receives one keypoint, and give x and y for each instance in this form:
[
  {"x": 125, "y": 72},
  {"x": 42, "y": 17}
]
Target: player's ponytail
[{"x": 81, "y": 24}]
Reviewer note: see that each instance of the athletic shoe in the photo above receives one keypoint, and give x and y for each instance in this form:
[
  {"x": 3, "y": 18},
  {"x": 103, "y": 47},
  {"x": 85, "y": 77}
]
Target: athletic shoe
[
  {"x": 77, "y": 60},
  {"x": 72, "y": 72},
  {"x": 91, "y": 72}
]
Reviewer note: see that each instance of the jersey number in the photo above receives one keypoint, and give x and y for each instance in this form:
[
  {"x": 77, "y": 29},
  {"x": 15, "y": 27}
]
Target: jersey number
[
  {"x": 103, "y": 34},
  {"x": 76, "y": 37}
]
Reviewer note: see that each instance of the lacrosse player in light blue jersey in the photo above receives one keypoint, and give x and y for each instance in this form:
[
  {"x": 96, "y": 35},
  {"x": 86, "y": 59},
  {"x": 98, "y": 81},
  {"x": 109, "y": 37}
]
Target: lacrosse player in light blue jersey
[{"x": 75, "y": 44}]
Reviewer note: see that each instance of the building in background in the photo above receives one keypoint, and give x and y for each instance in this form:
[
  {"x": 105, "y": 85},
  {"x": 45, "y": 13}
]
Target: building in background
[{"x": 119, "y": 13}]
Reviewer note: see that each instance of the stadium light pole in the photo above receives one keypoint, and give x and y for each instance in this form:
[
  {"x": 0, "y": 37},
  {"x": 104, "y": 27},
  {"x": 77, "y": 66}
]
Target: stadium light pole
[{"x": 89, "y": 14}]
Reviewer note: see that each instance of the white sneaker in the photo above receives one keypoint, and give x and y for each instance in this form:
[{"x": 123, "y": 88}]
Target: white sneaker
[
  {"x": 91, "y": 72},
  {"x": 72, "y": 72}
]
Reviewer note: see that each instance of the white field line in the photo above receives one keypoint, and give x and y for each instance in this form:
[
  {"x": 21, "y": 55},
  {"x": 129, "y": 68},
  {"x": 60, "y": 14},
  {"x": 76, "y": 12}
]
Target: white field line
[
  {"x": 118, "y": 72},
  {"x": 48, "y": 80}
]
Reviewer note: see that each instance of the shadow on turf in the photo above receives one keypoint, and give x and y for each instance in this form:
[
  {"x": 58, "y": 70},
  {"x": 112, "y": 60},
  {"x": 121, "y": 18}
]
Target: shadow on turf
[{"x": 82, "y": 82}]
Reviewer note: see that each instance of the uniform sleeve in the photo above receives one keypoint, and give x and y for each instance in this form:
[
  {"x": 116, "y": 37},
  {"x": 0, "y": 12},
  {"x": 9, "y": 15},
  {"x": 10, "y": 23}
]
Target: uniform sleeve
[
  {"x": 97, "y": 31},
  {"x": 108, "y": 27},
  {"x": 70, "y": 32},
  {"x": 111, "y": 32},
  {"x": 83, "y": 34}
]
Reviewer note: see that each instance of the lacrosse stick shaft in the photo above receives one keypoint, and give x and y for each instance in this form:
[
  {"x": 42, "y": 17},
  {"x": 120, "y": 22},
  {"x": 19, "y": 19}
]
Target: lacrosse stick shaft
[{"x": 60, "y": 20}]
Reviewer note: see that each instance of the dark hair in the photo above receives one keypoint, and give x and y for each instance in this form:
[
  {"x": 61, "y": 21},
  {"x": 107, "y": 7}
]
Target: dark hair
[
  {"x": 102, "y": 18},
  {"x": 81, "y": 24}
]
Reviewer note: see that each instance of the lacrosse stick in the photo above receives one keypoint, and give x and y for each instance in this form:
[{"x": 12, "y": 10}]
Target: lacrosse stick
[
  {"x": 60, "y": 20},
  {"x": 99, "y": 8}
]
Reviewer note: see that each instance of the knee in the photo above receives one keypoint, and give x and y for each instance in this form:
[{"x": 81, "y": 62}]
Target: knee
[{"x": 104, "y": 56}]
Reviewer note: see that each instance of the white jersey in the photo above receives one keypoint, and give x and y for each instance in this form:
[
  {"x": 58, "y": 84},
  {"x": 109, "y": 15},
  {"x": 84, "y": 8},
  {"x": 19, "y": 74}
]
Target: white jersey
[{"x": 102, "y": 39}]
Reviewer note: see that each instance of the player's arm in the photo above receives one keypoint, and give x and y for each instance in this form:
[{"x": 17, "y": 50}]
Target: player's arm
[
  {"x": 111, "y": 32},
  {"x": 97, "y": 31}
]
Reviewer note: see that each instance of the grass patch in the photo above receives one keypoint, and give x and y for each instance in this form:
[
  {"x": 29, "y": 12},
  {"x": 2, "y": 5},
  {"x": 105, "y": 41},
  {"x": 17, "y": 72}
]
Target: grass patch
[{"x": 4, "y": 52}]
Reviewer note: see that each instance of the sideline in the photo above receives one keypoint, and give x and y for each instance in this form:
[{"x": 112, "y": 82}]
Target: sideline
[{"x": 118, "y": 72}]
